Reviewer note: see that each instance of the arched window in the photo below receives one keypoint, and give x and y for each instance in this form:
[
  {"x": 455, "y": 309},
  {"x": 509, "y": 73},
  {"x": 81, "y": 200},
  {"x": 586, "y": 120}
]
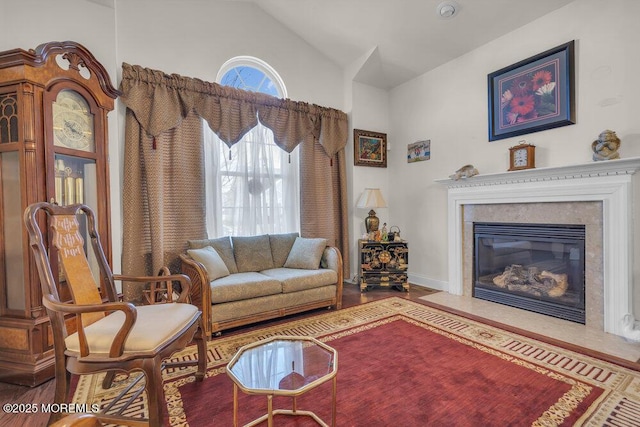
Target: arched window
[
  {"x": 252, "y": 74},
  {"x": 252, "y": 188}
]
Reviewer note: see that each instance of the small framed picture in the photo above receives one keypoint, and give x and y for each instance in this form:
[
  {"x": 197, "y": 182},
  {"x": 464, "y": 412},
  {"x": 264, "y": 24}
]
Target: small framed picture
[
  {"x": 419, "y": 151},
  {"x": 532, "y": 95},
  {"x": 370, "y": 148}
]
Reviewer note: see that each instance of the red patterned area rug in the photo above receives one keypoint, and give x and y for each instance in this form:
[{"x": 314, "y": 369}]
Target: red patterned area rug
[{"x": 404, "y": 363}]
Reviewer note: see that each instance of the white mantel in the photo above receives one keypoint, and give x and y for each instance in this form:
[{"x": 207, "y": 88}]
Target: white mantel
[{"x": 609, "y": 182}]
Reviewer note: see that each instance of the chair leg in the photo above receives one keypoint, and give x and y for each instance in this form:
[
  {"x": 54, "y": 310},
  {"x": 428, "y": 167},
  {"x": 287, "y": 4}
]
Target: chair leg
[
  {"x": 155, "y": 390},
  {"x": 201, "y": 343},
  {"x": 108, "y": 379},
  {"x": 61, "y": 393}
]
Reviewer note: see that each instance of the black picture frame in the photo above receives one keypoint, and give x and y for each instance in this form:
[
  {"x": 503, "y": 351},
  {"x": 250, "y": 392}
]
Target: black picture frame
[{"x": 533, "y": 95}]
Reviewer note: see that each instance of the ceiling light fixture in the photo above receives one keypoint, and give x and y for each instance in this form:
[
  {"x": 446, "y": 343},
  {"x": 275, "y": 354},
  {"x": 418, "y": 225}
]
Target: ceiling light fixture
[{"x": 447, "y": 9}]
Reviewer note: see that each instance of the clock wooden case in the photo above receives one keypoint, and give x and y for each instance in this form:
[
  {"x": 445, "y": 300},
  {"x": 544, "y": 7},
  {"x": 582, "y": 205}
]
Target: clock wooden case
[
  {"x": 54, "y": 102},
  {"x": 522, "y": 156}
]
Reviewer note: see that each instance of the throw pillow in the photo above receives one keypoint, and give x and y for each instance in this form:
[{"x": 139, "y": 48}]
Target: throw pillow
[
  {"x": 281, "y": 246},
  {"x": 253, "y": 253},
  {"x": 211, "y": 261},
  {"x": 222, "y": 245},
  {"x": 306, "y": 253}
]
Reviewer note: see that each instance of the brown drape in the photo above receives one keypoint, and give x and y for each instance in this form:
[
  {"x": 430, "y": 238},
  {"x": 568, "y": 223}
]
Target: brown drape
[
  {"x": 163, "y": 194},
  {"x": 162, "y": 197}
]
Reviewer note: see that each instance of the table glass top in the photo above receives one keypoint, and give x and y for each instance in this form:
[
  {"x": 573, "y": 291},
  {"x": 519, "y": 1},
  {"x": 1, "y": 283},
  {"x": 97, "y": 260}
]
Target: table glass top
[{"x": 282, "y": 364}]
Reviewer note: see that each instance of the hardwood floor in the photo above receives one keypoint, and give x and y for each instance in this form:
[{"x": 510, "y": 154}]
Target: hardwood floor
[{"x": 15, "y": 394}]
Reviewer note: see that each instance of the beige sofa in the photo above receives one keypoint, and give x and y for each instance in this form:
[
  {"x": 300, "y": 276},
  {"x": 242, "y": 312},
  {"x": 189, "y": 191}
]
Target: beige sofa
[{"x": 240, "y": 280}]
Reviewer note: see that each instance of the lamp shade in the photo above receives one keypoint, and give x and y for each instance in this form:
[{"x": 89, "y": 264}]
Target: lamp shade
[{"x": 371, "y": 198}]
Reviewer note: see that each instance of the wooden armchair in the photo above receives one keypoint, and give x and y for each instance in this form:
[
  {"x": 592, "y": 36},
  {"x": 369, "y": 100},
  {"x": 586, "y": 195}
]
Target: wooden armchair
[{"x": 107, "y": 336}]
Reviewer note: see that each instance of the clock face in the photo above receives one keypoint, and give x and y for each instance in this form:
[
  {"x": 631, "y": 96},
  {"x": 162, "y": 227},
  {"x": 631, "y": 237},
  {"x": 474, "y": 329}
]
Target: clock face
[
  {"x": 520, "y": 157},
  {"x": 72, "y": 122}
]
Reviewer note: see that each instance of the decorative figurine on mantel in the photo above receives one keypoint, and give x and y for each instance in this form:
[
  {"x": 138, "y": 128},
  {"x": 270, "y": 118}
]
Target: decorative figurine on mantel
[
  {"x": 606, "y": 146},
  {"x": 467, "y": 171}
]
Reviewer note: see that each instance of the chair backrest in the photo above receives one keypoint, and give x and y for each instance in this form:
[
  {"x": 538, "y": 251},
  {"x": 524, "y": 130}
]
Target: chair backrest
[
  {"x": 65, "y": 235},
  {"x": 66, "y": 238}
]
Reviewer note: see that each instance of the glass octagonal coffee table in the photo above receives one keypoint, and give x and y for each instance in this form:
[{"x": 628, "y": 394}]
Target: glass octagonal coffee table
[{"x": 283, "y": 366}]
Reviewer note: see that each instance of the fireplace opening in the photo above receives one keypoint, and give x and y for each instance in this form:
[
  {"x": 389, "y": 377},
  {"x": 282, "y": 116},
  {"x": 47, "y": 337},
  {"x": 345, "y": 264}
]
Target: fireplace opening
[{"x": 536, "y": 267}]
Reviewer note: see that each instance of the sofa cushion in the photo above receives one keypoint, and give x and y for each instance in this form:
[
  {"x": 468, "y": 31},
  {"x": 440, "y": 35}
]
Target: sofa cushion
[
  {"x": 297, "y": 279},
  {"x": 306, "y": 253},
  {"x": 280, "y": 247},
  {"x": 242, "y": 286},
  {"x": 222, "y": 245},
  {"x": 211, "y": 261},
  {"x": 252, "y": 253}
]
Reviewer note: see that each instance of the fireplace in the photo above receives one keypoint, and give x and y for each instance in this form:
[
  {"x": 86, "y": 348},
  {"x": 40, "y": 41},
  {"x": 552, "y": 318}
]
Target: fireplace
[
  {"x": 607, "y": 189},
  {"x": 536, "y": 267}
]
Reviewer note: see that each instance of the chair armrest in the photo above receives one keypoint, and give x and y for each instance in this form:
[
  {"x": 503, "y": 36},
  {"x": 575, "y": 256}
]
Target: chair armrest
[
  {"x": 185, "y": 282},
  {"x": 200, "y": 290},
  {"x": 117, "y": 346}
]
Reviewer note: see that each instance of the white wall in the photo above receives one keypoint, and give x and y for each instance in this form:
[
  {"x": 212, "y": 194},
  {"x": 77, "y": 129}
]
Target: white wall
[
  {"x": 449, "y": 106},
  {"x": 370, "y": 111},
  {"x": 194, "y": 38}
]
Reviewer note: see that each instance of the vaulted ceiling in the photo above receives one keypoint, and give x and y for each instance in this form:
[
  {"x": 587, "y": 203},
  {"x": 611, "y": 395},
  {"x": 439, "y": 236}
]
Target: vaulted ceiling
[{"x": 398, "y": 40}]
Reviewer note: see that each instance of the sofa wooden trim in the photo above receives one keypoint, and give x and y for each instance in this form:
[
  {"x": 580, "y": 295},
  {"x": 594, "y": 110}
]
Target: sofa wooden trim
[{"x": 201, "y": 297}]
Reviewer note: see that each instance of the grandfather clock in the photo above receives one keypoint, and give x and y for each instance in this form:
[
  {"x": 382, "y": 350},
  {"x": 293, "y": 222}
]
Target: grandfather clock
[{"x": 54, "y": 102}]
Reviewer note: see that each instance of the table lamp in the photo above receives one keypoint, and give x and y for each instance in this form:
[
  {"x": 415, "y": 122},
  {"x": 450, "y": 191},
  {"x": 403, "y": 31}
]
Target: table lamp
[{"x": 371, "y": 198}]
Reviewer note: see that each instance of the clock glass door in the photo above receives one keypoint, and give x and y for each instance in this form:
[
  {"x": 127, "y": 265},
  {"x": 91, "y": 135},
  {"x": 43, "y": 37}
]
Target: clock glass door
[
  {"x": 73, "y": 122},
  {"x": 12, "y": 271},
  {"x": 520, "y": 158},
  {"x": 76, "y": 179}
]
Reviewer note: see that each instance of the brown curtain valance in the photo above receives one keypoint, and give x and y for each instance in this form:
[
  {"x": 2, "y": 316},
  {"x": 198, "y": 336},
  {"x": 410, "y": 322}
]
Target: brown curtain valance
[{"x": 161, "y": 101}]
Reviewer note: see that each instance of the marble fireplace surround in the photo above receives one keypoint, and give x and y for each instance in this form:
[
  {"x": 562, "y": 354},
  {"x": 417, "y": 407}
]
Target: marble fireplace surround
[{"x": 597, "y": 194}]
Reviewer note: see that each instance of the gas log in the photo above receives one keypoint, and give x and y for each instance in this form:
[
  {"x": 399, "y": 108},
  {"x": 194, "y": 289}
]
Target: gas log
[{"x": 532, "y": 281}]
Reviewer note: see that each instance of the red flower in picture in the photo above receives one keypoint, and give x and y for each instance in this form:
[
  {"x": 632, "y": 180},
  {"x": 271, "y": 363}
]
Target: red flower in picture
[
  {"x": 521, "y": 86},
  {"x": 531, "y": 116},
  {"x": 541, "y": 78},
  {"x": 522, "y": 105}
]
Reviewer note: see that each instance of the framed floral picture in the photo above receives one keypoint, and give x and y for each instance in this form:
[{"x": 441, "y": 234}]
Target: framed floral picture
[
  {"x": 532, "y": 95},
  {"x": 370, "y": 148}
]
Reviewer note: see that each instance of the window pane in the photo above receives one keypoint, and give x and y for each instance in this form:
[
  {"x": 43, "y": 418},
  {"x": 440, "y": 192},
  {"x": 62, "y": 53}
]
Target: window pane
[{"x": 249, "y": 78}]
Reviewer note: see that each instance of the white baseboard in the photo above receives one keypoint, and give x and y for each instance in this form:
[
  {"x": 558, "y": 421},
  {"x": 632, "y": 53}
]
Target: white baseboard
[
  {"x": 414, "y": 279},
  {"x": 419, "y": 280}
]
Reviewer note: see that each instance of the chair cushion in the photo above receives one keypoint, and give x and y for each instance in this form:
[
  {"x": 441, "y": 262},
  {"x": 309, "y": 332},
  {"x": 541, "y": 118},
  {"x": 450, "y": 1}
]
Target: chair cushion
[
  {"x": 252, "y": 253},
  {"x": 211, "y": 261},
  {"x": 296, "y": 279},
  {"x": 242, "y": 286},
  {"x": 222, "y": 245},
  {"x": 150, "y": 332},
  {"x": 280, "y": 247},
  {"x": 306, "y": 253}
]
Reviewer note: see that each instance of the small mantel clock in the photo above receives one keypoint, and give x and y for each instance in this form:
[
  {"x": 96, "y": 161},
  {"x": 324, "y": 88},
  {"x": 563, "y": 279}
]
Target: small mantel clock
[
  {"x": 54, "y": 102},
  {"x": 522, "y": 156}
]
